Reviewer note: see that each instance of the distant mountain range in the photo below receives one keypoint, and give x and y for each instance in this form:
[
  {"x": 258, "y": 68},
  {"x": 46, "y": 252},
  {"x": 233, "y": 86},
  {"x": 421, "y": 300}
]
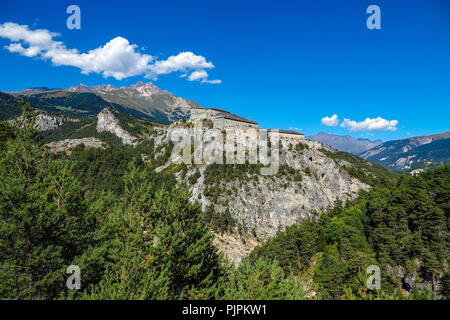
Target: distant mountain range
[
  {"x": 141, "y": 99},
  {"x": 412, "y": 153},
  {"x": 345, "y": 143}
]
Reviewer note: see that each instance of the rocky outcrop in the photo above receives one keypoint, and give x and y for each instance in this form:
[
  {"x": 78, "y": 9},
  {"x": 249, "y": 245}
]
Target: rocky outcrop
[
  {"x": 68, "y": 144},
  {"x": 234, "y": 246},
  {"x": 410, "y": 278},
  {"x": 264, "y": 204},
  {"x": 107, "y": 122},
  {"x": 46, "y": 122}
]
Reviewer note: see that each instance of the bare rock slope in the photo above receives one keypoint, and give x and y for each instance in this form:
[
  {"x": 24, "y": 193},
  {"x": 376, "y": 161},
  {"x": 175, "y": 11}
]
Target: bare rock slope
[
  {"x": 307, "y": 181},
  {"x": 107, "y": 122}
]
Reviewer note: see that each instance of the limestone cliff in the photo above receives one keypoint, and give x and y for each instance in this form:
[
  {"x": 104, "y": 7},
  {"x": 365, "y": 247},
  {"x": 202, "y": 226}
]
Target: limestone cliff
[
  {"x": 107, "y": 122},
  {"x": 46, "y": 121},
  {"x": 68, "y": 144},
  {"x": 306, "y": 182}
]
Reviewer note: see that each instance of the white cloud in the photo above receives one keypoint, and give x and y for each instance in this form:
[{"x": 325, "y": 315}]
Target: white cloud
[
  {"x": 28, "y": 52},
  {"x": 202, "y": 76},
  {"x": 183, "y": 62},
  {"x": 332, "y": 121},
  {"x": 375, "y": 124},
  {"x": 117, "y": 58}
]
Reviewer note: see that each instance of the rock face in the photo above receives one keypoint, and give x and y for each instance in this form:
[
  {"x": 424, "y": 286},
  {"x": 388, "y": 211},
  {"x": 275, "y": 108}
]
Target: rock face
[
  {"x": 234, "y": 246},
  {"x": 107, "y": 122},
  {"x": 144, "y": 97},
  {"x": 68, "y": 144},
  {"x": 411, "y": 278},
  {"x": 46, "y": 122},
  {"x": 264, "y": 204}
]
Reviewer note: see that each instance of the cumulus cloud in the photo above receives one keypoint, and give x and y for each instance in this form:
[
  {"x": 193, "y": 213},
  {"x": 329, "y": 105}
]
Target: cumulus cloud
[
  {"x": 117, "y": 58},
  {"x": 375, "y": 124},
  {"x": 332, "y": 121},
  {"x": 183, "y": 62}
]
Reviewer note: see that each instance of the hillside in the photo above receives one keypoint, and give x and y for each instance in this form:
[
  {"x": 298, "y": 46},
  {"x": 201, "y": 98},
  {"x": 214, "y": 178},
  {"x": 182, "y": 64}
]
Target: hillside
[
  {"x": 345, "y": 143},
  {"x": 118, "y": 206},
  {"x": 143, "y": 100},
  {"x": 246, "y": 207},
  {"x": 411, "y": 153},
  {"x": 400, "y": 227},
  {"x": 150, "y": 100},
  {"x": 239, "y": 202},
  {"x": 9, "y": 107}
]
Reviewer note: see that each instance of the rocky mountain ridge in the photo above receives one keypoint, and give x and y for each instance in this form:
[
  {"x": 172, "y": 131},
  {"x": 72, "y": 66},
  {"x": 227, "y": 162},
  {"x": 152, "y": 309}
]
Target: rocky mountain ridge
[
  {"x": 307, "y": 181},
  {"x": 405, "y": 154},
  {"x": 144, "y": 98},
  {"x": 107, "y": 122},
  {"x": 345, "y": 143}
]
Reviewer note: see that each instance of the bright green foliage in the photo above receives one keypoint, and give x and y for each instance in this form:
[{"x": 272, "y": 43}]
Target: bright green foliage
[
  {"x": 9, "y": 107},
  {"x": 103, "y": 170},
  {"x": 293, "y": 248},
  {"x": 404, "y": 225},
  {"x": 6, "y": 132},
  {"x": 161, "y": 249},
  {"x": 219, "y": 221},
  {"x": 135, "y": 234},
  {"x": 363, "y": 170},
  {"x": 262, "y": 280},
  {"x": 43, "y": 221}
]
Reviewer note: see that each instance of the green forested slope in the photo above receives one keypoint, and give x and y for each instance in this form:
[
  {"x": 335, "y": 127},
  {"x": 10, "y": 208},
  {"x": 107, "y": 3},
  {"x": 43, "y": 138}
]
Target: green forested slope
[
  {"x": 402, "y": 225},
  {"x": 135, "y": 235},
  {"x": 9, "y": 107}
]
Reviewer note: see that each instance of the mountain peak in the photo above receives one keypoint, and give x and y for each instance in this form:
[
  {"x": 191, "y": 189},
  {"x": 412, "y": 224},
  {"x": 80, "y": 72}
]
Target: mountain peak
[
  {"x": 104, "y": 87},
  {"x": 143, "y": 84},
  {"x": 78, "y": 88},
  {"x": 345, "y": 143}
]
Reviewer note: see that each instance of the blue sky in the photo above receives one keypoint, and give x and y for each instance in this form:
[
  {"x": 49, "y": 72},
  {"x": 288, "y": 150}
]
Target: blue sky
[{"x": 285, "y": 64}]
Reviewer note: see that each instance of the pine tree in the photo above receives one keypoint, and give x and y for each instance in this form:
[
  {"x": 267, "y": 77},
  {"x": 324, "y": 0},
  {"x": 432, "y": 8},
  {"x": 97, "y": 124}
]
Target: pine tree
[
  {"x": 42, "y": 217},
  {"x": 161, "y": 248},
  {"x": 263, "y": 280}
]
